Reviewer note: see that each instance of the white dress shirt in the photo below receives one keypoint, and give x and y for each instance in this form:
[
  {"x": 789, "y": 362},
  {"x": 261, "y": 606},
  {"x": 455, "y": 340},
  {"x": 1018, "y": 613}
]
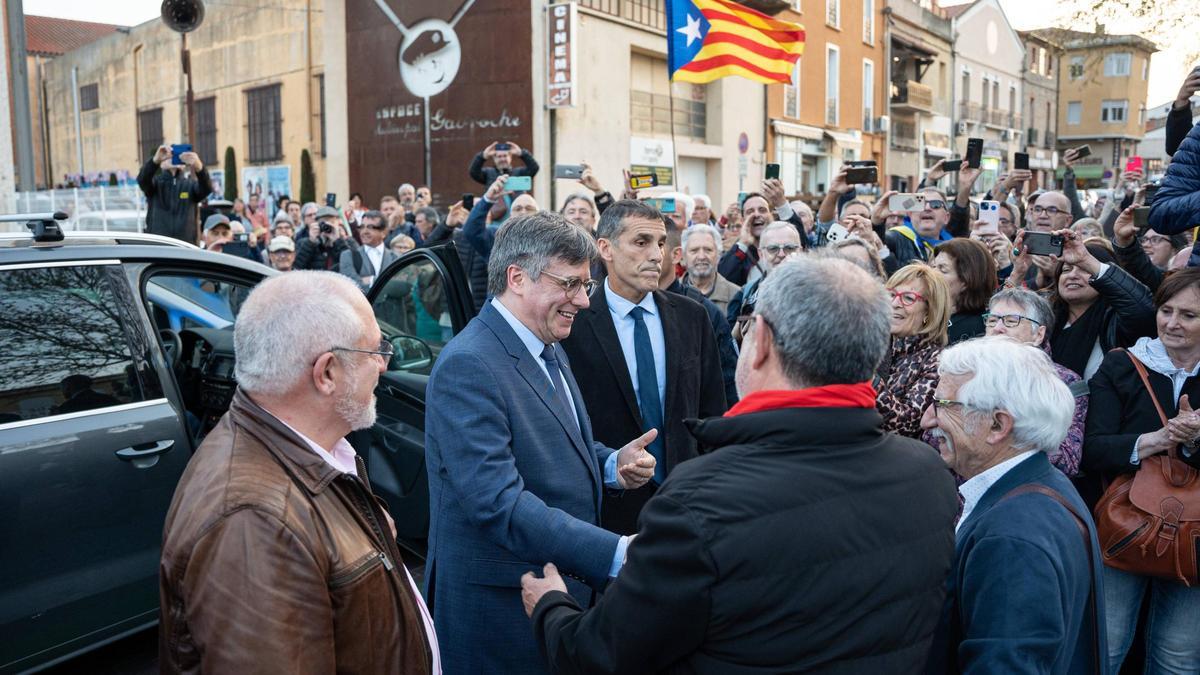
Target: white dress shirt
[
  {"x": 535, "y": 346},
  {"x": 375, "y": 255},
  {"x": 972, "y": 491},
  {"x": 620, "y": 309},
  {"x": 341, "y": 457}
]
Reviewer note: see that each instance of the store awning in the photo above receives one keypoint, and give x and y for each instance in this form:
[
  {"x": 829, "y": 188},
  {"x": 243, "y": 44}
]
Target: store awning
[
  {"x": 1086, "y": 171},
  {"x": 798, "y": 130},
  {"x": 844, "y": 139}
]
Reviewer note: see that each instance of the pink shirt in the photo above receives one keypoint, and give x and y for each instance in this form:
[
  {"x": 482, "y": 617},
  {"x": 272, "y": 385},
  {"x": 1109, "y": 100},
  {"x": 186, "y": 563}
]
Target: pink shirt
[{"x": 341, "y": 457}]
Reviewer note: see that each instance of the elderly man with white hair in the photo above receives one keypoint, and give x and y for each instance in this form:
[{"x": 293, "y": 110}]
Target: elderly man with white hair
[
  {"x": 702, "y": 213},
  {"x": 684, "y": 206},
  {"x": 1024, "y": 592},
  {"x": 701, "y": 250},
  {"x": 276, "y": 553}
]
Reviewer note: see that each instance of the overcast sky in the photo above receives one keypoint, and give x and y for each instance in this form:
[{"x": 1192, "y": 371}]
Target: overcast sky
[{"x": 1167, "y": 69}]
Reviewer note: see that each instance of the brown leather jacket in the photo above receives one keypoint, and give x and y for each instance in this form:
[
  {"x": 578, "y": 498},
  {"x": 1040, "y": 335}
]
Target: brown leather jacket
[{"x": 274, "y": 561}]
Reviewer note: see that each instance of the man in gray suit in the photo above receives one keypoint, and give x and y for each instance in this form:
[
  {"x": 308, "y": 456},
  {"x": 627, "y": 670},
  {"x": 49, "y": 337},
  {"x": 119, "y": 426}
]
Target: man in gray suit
[
  {"x": 515, "y": 477},
  {"x": 364, "y": 263}
]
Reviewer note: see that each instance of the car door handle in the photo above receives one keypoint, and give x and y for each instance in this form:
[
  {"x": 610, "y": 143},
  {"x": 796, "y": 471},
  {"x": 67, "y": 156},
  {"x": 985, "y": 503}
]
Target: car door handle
[{"x": 146, "y": 455}]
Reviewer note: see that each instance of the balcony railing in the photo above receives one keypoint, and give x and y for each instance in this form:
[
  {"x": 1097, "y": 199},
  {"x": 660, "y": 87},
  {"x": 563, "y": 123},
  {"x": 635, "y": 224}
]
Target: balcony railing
[
  {"x": 1048, "y": 142},
  {"x": 970, "y": 111},
  {"x": 904, "y": 135},
  {"x": 912, "y": 95},
  {"x": 649, "y": 13},
  {"x": 831, "y": 111},
  {"x": 1031, "y": 136},
  {"x": 1014, "y": 121}
]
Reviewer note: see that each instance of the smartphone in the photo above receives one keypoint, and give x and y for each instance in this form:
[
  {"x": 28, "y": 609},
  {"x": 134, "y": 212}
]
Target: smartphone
[
  {"x": 1141, "y": 218},
  {"x": 772, "y": 172},
  {"x": 239, "y": 246},
  {"x": 568, "y": 171},
  {"x": 910, "y": 202},
  {"x": 331, "y": 199},
  {"x": 952, "y": 165},
  {"x": 862, "y": 175},
  {"x": 989, "y": 212},
  {"x": 862, "y": 162},
  {"x": 519, "y": 183},
  {"x": 974, "y": 152},
  {"x": 503, "y": 147},
  {"x": 1043, "y": 243},
  {"x": 837, "y": 232},
  {"x": 664, "y": 205},
  {"x": 1150, "y": 190},
  {"x": 1083, "y": 151},
  {"x": 641, "y": 181},
  {"x": 742, "y": 198},
  {"x": 1134, "y": 164},
  {"x": 468, "y": 201},
  {"x": 1021, "y": 161},
  {"x": 178, "y": 149}
]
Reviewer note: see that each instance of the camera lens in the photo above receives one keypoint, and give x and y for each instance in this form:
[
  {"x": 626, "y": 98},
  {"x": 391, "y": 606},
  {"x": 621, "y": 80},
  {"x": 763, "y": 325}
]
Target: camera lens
[{"x": 326, "y": 228}]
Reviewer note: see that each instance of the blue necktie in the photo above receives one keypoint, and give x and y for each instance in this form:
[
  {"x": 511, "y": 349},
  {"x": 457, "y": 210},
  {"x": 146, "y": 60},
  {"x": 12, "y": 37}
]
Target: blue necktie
[
  {"x": 647, "y": 390},
  {"x": 556, "y": 383}
]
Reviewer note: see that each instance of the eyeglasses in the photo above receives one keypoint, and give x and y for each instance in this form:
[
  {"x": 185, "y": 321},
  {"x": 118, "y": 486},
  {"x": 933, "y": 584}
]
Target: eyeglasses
[
  {"x": 1048, "y": 210},
  {"x": 386, "y": 350},
  {"x": 572, "y": 285},
  {"x": 781, "y": 248},
  {"x": 774, "y": 333},
  {"x": 1004, "y": 221},
  {"x": 943, "y": 403},
  {"x": 907, "y": 298},
  {"x": 1010, "y": 320},
  {"x": 1154, "y": 239},
  {"x": 378, "y": 226},
  {"x": 935, "y": 204}
]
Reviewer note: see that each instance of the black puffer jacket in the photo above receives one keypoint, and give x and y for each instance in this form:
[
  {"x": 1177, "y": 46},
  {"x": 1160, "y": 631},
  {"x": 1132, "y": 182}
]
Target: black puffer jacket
[
  {"x": 314, "y": 255},
  {"x": 1127, "y": 313},
  {"x": 171, "y": 200},
  {"x": 1176, "y": 206}
]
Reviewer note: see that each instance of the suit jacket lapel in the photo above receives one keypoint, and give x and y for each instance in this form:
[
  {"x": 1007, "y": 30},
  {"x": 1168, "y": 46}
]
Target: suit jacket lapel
[
  {"x": 583, "y": 430},
  {"x": 1027, "y": 471},
  {"x": 532, "y": 373},
  {"x": 606, "y": 334}
]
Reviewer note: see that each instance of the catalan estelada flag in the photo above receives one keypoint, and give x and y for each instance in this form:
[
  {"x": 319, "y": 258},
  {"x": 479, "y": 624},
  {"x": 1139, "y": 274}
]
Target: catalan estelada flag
[{"x": 711, "y": 39}]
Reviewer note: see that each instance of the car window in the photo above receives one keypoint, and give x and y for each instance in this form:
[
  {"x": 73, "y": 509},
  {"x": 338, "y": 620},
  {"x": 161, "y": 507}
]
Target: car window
[
  {"x": 413, "y": 315},
  {"x": 181, "y": 302},
  {"x": 66, "y": 347}
]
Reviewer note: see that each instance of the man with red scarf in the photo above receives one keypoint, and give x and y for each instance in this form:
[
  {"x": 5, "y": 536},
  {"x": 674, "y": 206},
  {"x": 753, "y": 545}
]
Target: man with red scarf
[{"x": 804, "y": 539}]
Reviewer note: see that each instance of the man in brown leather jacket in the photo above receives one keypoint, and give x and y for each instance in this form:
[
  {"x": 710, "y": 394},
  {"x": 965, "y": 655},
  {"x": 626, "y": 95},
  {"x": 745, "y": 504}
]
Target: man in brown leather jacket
[{"x": 277, "y": 557}]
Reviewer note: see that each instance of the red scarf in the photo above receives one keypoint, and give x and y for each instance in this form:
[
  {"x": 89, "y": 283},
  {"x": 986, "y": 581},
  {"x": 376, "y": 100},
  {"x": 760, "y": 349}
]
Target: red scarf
[{"x": 861, "y": 395}]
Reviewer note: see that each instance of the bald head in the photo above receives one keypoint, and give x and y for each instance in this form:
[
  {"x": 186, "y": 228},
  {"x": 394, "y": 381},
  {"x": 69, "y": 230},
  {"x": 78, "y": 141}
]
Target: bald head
[{"x": 524, "y": 205}]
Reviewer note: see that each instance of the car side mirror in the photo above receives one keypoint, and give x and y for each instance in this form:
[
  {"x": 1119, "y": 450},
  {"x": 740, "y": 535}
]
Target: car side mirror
[{"x": 410, "y": 353}]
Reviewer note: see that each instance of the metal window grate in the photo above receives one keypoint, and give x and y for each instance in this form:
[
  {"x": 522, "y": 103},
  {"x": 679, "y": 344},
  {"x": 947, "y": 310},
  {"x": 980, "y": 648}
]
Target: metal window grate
[
  {"x": 206, "y": 130},
  {"x": 264, "y": 124},
  {"x": 89, "y": 97},
  {"x": 649, "y": 13},
  {"x": 150, "y": 132}
]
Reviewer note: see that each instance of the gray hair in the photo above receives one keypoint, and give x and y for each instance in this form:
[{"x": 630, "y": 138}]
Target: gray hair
[
  {"x": 430, "y": 213},
  {"x": 830, "y": 319},
  {"x": 532, "y": 242},
  {"x": 778, "y": 225},
  {"x": 578, "y": 196},
  {"x": 702, "y": 200},
  {"x": 287, "y": 322},
  {"x": 1032, "y": 305},
  {"x": 701, "y": 228},
  {"x": 612, "y": 221},
  {"x": 405, "y": 185},
  {"x": 309, "y": 207},
  {"x": 1017, "y": 378}
]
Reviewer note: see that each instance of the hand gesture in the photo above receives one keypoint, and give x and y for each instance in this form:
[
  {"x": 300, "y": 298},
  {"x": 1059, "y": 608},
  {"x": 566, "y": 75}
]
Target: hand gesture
[
  {"x": 772, "y": 189},
  {"x": 1133, "y": 177},
  {"x": 1016, "y": 178},
  {"x": 881, "y": 211},
  {"x": 967, "y": 176},
  {"x": 635, "y": 465},
  {"x": 490, "y": 151},
  {"x": 839, "y": 184},
  {"x": 1000, "y": 247},
  {"x": 1185, "y": 427},
  {"x": 860, "y": 225},
  {"x": 1075, "y": 253},
  {"x": 533, "y": 588},
  {"x": 514, "y": 150},
  {"x": 588, "y": 179},
  {"x": 192, "y": 160},
  {"x": 162, "y": 154},
  {"x": 1021, "y": 258},
  {"x": 1191, "y": 84},
  {"x": 1070, "y": 157},
  {"x": 496, "y": 190},
  {"x": 457, "y": 216},
  {"x": 1124, "y": 231},
  {"x": 935, "y": 172},
  {"x": 626, "y": 191}
]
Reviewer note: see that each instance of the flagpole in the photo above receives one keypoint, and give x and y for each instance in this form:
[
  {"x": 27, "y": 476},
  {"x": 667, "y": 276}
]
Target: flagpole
[{"x": 674, "y": 148}]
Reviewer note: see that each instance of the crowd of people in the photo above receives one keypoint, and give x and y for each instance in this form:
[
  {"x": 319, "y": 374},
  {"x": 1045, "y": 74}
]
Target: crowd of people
[{"x": 677, "y": 439}]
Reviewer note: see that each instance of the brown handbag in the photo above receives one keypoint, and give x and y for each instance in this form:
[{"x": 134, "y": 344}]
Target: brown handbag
[{"x": 1148, "y": 521}]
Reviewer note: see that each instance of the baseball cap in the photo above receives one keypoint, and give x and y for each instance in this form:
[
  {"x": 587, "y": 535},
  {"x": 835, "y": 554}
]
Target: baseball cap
[
  {"x": 215, "y": 220},
  {"x": 327, "y": 212},
  {"x": 282, "y": 243}
]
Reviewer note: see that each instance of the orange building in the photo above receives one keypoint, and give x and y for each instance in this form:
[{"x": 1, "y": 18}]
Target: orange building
[{"x": 838, "y": 111}]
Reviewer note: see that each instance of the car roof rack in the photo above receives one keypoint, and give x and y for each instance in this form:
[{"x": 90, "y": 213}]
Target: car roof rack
[{"x": 45, "y": 226}]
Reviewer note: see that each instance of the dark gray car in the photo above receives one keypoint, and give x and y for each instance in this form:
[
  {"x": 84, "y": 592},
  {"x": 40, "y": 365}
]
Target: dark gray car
[{"x": 116, "y": 358}]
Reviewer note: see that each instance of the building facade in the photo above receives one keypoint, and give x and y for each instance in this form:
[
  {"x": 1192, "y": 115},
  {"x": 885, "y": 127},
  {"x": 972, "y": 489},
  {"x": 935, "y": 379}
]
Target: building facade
[
  {"x": 836, "y": 110},
  {"x": 1043, "y": 60},
  {"x": 258, "y": 83},
  {"x": 1102, "y": 98},
  {"x": 988, "y": 64},
  {"x": 920, "y": 62}
]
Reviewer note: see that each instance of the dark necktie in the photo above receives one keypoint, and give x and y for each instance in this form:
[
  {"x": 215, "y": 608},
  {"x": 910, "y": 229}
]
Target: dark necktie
[
  {"x": 647, "y": 389},
  {"x": 556, "y": 384}
]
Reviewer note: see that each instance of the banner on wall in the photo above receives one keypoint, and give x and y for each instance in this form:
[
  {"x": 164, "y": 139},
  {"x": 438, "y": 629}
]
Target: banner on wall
[{"x": 268, "y": 182}]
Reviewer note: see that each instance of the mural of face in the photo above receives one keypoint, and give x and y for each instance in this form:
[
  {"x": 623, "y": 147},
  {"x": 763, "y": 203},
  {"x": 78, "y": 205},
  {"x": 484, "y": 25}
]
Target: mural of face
[{"x": 429, "y": 57}]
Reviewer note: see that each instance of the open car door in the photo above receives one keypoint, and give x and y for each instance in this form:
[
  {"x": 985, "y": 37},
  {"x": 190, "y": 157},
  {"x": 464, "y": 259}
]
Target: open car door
[{"x": 420, "y": 302}]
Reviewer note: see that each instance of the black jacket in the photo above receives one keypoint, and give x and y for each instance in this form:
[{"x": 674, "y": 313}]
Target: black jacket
[
  {"x": 735, "y": 264},
  {"x": 475, "y": 265},
  {"x": 312, "y": 255},
  {"x": 1128, "y": 312},
  {"x": 1120, "y": 410},
  {"x": 694, "y": 388},
  {"x": 1133, "y": 259},
  {"x": 726, "y": 348},
  {"x": 1179, "y": 123},
  {"x": 806, "y": 540},
  {"x": 1176, "y": 206},
  {"x": 171, "y": 201},
  {"x": 486, "y": 175}
]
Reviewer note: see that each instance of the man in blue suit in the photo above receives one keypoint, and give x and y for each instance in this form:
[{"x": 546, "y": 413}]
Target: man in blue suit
[
  {"x": 1023, "y": 595},
  {"x": 515, "y": 478}
]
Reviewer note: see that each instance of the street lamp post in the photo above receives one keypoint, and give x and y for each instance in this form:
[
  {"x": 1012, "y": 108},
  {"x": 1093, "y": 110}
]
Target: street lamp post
[{"x": 183, "y": 17}]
